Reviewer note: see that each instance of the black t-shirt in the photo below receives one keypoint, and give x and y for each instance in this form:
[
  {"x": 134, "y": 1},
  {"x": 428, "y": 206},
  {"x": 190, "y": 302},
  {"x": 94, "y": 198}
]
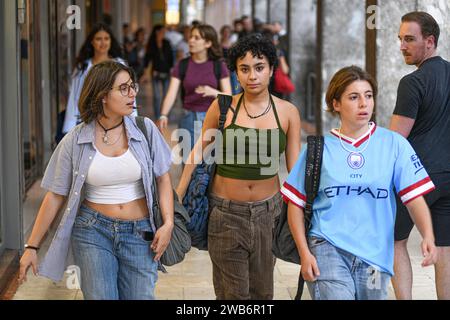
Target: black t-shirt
[
  {"x": 424, "y": 95},
  {"x": 162, "y": 58}
]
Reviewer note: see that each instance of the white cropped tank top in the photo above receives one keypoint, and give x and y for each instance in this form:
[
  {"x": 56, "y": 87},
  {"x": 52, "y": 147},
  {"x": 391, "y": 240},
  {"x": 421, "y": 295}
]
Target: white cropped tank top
[{"x": 114, "y": 180}]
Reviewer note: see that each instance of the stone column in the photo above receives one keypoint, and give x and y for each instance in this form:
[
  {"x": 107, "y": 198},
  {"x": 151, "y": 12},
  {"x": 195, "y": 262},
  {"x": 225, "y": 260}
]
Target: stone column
[
  {"x": 261, "y": 10},
  {"x": 117, "y": 14},
  {"x": 183, "y": 11},
  {"x": 440, "y": 10},
  {"x": 11, "y": 159},
  {"x": 245, "y": 8},
  {"x": 220, "y": 13},
  {"x": 80, "y": 35},
  {"x": 145, "y": 16},
  {"x": 46, "y": 101},
  {"x": 343, "y": 44},
  {"x": 390, "y": 65},
  {"x": 302, "y": 53},
  {"x": 278, "y": 11}
]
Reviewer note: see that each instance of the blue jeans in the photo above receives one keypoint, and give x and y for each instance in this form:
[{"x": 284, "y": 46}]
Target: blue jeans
[
  {"x": 192, "y": 121},
  {"x": 344, "y": 276},
  {"x": 115, "y": 261},
  {"x": 159, "y": 91}
]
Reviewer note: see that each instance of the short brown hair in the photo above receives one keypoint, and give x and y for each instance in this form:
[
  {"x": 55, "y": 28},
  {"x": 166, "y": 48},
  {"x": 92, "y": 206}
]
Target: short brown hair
[
  {"x": 99, "y": 81},
  {"x": 427, "y": 23},
  {"x": 342, "y": 79}
]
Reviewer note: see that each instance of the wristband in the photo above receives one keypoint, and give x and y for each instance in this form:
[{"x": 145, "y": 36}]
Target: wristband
[
  {"x": 163, "y": 117},
  {"x": 27, "y": 246}
]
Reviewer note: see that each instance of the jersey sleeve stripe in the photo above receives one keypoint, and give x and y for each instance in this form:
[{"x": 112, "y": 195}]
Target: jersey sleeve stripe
[
  {"x": 414, "y": 186},
  {"x": 420, "y": 191},
  {"x": 294, "y": 191},
  {"x": 289, "y": 196}
]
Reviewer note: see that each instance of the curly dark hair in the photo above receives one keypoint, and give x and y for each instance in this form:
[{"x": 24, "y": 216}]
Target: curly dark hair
[
  {"x": 99, "y": 81},
  {"x": 87, "y": 50},
  {"x": 255, "y": 43}
]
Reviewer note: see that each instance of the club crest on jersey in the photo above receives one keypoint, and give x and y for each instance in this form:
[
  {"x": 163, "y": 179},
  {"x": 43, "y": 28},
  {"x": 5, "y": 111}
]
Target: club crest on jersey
[{"x": 355, "y": 160}]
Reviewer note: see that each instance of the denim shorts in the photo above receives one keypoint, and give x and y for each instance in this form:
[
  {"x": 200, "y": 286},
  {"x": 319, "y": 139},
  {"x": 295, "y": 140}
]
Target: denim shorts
[
  {"x": 114, "y": 259},
  {"x": 439, "y": 203},
  {"x": 344, "y": 276}
]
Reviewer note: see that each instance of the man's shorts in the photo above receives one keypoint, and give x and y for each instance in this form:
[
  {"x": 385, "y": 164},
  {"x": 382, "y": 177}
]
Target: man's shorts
[{"x": 439, "y": 203}]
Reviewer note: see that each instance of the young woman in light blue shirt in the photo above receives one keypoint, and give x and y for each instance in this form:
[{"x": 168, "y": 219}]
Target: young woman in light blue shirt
[
  {"x": 348, "y": 254},
  {"x": 102, "y": 173}
]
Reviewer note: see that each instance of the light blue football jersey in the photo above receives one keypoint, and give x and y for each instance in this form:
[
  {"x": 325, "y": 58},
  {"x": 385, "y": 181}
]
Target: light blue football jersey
[{"x": 355, "y": 206}]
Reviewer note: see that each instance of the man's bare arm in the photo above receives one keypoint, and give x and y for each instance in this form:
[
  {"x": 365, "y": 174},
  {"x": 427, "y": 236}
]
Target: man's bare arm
[{"x": 402, "y": 125}]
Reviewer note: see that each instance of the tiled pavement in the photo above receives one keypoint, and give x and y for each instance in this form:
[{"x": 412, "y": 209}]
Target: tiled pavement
[{"x": 191, "y": 280}]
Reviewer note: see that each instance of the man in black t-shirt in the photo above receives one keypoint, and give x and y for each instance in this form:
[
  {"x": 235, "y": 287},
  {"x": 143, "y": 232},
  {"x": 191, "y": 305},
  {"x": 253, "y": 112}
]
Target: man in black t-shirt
[{"x": 422, "y": 115}]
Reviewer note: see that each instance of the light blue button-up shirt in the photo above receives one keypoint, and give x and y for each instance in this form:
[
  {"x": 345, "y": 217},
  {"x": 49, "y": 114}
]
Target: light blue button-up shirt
[{"x": 66, "y": 174}]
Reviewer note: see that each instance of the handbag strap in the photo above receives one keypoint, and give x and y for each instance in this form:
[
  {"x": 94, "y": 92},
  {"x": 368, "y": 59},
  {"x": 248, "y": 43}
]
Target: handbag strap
[
  {"x": 312, "y": 174},
  {"x": 224, "y": 105},
  {"x": 140, "y": 122},
  {"x": 314, "y": 153}
]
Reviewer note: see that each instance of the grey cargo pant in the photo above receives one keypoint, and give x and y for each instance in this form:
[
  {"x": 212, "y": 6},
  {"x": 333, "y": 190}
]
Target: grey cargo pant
[{"x": 240, "y": 246}]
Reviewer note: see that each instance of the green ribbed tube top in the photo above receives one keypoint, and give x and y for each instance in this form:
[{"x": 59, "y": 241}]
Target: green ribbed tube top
[{"x": 250, "y": 150}]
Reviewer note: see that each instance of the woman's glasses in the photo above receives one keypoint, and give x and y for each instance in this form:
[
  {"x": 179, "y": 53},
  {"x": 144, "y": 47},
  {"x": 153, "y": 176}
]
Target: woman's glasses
[{"x": 125, "y": 88}]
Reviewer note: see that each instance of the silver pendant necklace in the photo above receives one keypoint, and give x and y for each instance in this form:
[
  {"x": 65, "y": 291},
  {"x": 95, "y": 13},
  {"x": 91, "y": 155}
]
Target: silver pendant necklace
[
  {"x": 355, "y": 159},
  {"x": 105, "y": 133},
  {"x": 105, "y": 141}
]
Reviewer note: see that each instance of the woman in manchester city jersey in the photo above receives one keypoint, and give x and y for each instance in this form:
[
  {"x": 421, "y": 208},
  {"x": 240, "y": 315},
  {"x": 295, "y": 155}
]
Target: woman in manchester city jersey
[{"x": 348, "y": 252}]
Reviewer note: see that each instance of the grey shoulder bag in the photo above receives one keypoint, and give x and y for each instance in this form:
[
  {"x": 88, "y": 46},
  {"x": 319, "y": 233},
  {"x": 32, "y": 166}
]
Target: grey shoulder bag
[{"x": 180, "y": 243}]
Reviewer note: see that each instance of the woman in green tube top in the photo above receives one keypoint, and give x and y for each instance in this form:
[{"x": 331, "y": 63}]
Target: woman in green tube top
[{"x": 245, "y": 196}]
